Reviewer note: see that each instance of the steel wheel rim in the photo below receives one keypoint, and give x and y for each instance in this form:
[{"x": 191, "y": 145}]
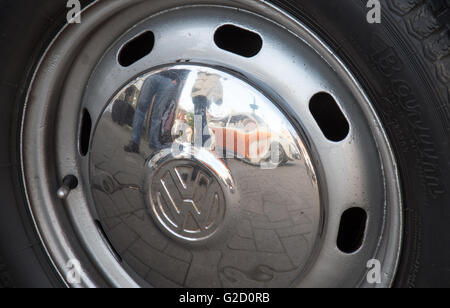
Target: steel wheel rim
[{"x": 95, "y": 249}]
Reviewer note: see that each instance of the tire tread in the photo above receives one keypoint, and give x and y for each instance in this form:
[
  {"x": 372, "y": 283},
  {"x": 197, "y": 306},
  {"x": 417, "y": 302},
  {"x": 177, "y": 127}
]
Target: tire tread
[{"x": 428, "y": 22}]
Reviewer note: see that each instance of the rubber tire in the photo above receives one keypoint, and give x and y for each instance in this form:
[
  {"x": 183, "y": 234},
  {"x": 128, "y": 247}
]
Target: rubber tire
[{"x": 402, "y": 63}]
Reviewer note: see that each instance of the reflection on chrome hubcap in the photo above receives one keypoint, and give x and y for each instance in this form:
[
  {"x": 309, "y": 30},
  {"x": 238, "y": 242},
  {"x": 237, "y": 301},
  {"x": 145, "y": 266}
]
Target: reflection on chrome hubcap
[{"x": 201, "y": 161}]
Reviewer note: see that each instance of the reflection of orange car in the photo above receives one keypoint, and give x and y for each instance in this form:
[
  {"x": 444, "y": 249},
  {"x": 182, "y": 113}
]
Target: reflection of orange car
[{"x": 244, "y": 137}]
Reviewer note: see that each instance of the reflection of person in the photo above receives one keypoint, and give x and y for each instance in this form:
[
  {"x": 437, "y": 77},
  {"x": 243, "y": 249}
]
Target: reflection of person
[
  {"x": 207, "y": 89},
  {"x": 158, "y": 96},
  {"x": 123, "y": 111}
]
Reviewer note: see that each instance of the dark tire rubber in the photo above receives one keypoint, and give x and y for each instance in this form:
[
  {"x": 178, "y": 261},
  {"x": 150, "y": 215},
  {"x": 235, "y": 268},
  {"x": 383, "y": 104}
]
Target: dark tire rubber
[{"x": 402, "y": 63}]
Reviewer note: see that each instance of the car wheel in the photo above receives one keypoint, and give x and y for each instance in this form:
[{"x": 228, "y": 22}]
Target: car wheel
[{"x": 366, "y": 203}]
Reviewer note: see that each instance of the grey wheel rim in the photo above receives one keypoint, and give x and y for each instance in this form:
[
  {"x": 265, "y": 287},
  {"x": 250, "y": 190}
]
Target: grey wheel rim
[{"x": 292, "y": 66}]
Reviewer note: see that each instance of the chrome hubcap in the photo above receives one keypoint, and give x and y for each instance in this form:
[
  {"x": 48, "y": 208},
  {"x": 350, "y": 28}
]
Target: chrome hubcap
[
  {"x": 204, "y": 162},
  {"x": 201, "y": 156}
]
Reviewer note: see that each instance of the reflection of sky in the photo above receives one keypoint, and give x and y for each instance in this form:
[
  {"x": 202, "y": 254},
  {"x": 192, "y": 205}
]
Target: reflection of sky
[{"x": 238, "y": 98}]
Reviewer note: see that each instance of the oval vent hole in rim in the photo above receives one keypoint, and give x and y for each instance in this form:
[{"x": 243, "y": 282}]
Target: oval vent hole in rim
[
  {"x": 351, "y": 230},
  {"x": 329, "y": 117},
  {"x": 85, "y": 133},
  {"x": 136, "y": 49},
  {"x": 238, "y": 40}
]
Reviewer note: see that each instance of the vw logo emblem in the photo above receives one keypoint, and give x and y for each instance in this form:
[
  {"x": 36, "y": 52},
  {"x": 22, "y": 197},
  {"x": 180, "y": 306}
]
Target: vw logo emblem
[{"x": 187, "y": 200}]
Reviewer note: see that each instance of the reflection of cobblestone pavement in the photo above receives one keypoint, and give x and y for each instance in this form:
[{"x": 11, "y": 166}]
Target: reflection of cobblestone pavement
[{"x": 268, "y": 247}]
